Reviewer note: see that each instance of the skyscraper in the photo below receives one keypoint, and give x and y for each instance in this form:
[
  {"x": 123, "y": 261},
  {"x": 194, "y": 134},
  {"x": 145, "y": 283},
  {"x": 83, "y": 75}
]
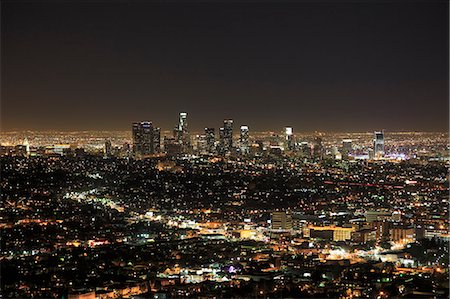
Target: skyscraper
[
  {"x": 305, "y": 149},
  {"x": 378, "y": 144},
  {"x": 183, "y": 127},
  {"x": 202, "y": 144},
  {"x": 143, "y": 143},
  {"x": 289, "y": 138},
  {"x": 317, "y": 148},
  {"x": 157, "y": 140},
  {"x": 226, "y": 136},
  {"x": 210, "y": 140},
  {"x": 243, "y": 140},
  {"x": 181, "y": 132},
  {"x": 26, "y": 144},
  {"x": 108, "y": 148},
  {"x": 346, "y": 148}
]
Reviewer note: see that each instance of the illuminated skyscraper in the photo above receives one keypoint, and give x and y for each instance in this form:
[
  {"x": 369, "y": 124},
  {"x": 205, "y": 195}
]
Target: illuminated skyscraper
[
  {"x": 378, "y": 144},
  {"x": 143, "y": 138},
  {"x": 157, "y": 140},
  {"x": 346, "y": 148},
  {"x": 210, "y": 140},
  {"x": 108, "y": 148},
  {"x": 181, "y": 132},
  {"x": 305, "y": 149},
  {"x": 317, "y": 148},
  {"x": 289, "y": 138},
  {"x": 347, "y": 145},
  {"x": 226, "y": 136},
  {"x": 202, "y": 144},
  {"x": 243, "y": 141},
  {"x": 26, "y": 144}
]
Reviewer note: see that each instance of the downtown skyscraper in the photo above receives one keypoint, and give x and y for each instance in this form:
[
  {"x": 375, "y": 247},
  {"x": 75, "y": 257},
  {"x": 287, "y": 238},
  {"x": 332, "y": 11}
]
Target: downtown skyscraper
[
  {"x": 181, "y": 132},
  {"x": 378, "y": 144},
  {"x": 226, "y": 137},
  {"x": 289, "y": 138},
  {"x": 244, "y": 146},
  {"x": 143, "y": 138},
  {"x": 210, "y": 140}
]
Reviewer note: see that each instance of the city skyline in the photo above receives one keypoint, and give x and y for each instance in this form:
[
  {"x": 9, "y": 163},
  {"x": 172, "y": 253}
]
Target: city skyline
[
  {"x": 165, "y": 149},
  {"x": 315, "y": 66}
]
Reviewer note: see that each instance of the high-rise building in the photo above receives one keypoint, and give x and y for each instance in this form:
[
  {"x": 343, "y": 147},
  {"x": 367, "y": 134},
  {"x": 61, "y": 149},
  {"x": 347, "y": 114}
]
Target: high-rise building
[
  {"x": 125, "y": 151},
  {"x": 108, "y": 148},
  {"x": 143, "y": 143},
  {"x": 370, "y": 154},
  {"x": 221, "y": 147},
  {"x": 347, "y": 144},
  {"x": 335, "y": 153},
  {"x": 226, "y": 136},
  {"x": 281, "y": 221},
  {"x": 172, "y": 147},
  {"x": 26, "y": 144},
  {"x": 346, "y": 148},
  {"x": 378, "y": 144},
  {"x": 157, "y": 140},
  {"x": 243, "y": 140},
  {"x": 305, "y": 149},
  {"x": 289, "y": 138},
  {"x": 317, "y": 148},
  {"x": 182, "y": 132},
  {"x": 202, "y": 144},
  {"x": 210, "y": 140}
]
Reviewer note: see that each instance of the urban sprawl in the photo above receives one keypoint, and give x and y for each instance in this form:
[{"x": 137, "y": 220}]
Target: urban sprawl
[{"x": 227, "y": 213}]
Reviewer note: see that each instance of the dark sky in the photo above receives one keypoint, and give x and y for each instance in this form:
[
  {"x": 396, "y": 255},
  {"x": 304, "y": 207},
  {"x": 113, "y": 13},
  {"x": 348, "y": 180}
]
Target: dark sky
[{"x": 340, "y": 66}]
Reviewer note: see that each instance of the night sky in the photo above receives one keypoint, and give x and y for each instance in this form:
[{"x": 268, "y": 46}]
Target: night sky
[{"x": 336, "y": 66}]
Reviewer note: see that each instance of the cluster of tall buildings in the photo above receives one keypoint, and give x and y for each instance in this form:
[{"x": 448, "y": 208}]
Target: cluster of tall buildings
[
  {"x": 147, "y": 141},
  {"x": 146, "y": 138}
]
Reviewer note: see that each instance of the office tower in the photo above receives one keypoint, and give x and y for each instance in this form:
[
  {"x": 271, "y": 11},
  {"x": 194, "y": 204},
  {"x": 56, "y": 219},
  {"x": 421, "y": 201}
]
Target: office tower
[
  {"x": 181, "y": 132},
  {"x": 305, "y": 149},
  {"x": 370, "y": 153},
  {"x": 335, "y": 153},
  {"x": 226, "y": 136},
  {"x": 346, "y": 148},
  {"x": 143, "y": 138},
  {"x": 281, "y": 221},
  {"x": 221, "y": 146},
  {"x": 157, "y": 140},
  {"x": 172, "y": 147},
  {"x": 317, "y": 148},
  {"x": 289, "y": 138},
  {"x": 257, "y": 148},
  {"x": 210, "y": 140},
  {"x": 202, "y": 144},
  {"x": 243, "y": 141},
  {"x": 378, "y": 144},
  {"x": 108, "y": 148},
  {"x": 125, "y": 151},
  {"x": 26, "y": 144}
]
